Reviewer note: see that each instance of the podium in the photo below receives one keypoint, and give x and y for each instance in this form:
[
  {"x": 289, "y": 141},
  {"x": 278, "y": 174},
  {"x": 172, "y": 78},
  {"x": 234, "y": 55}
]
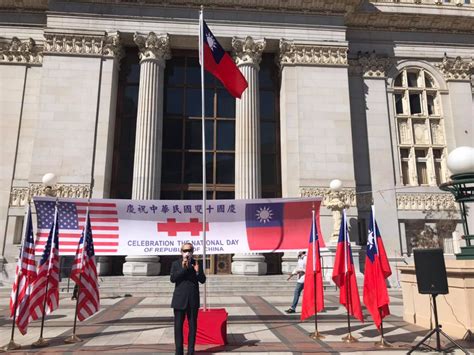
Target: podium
[{"x": 211, "y": 328}]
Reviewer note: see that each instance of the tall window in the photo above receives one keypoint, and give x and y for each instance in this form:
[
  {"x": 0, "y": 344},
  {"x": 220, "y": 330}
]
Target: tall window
[
  {"x": 182, "y": 144},
  {"x": 420, "y": 128}
]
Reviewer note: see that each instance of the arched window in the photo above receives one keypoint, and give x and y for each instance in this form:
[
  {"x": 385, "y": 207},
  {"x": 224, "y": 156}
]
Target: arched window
[{"x": 420, "y": 128}]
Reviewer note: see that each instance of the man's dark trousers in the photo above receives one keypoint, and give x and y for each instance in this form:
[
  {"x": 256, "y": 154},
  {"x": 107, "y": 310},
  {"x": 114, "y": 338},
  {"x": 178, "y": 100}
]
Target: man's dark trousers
[{"x": 192, "y": 314}]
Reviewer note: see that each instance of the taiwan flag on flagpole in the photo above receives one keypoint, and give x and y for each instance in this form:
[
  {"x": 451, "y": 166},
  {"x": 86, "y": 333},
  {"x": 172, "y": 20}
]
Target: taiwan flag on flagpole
[
  {"x": 218, "y": 62},
  {"x": 313, "y": 268},
  {"x": 377, "y": 270},
  {"x": 344, "y": 275}
]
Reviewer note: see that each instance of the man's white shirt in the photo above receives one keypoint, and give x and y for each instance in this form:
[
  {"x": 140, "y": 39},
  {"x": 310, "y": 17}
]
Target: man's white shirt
[{"x": 301, "y": 267}]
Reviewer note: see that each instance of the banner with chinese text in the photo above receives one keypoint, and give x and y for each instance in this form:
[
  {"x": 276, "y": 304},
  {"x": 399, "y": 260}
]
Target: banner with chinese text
[{"x": 129, "y": 227}]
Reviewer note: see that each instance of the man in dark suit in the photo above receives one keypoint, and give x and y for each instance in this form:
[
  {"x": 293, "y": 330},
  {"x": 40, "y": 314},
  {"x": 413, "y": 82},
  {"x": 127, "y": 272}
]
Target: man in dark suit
[{"x": 185, "y": 273}]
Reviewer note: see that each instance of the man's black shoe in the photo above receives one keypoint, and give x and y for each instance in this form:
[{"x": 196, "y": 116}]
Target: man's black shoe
[{"x": 290, "y": 310}]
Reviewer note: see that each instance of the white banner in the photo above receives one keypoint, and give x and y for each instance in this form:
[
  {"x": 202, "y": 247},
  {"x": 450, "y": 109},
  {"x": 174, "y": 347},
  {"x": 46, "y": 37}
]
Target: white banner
[{"x": 128, "y": 227}]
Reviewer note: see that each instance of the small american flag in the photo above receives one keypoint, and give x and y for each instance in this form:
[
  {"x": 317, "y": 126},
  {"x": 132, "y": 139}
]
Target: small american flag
[
  {"x": 48, "y": 275},
  {"x": 25, "y": 275},
  {"x": 72, "y": 216},
  {"x": 84, "y": 274}
]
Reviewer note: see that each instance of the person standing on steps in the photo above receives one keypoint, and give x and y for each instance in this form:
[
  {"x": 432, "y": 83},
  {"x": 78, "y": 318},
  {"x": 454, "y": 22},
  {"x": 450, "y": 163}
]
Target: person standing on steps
[{"x": 299, "y": 271}]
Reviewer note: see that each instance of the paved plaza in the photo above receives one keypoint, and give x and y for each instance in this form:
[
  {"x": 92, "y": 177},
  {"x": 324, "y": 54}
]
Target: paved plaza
[{"x": 256, "y": 324}]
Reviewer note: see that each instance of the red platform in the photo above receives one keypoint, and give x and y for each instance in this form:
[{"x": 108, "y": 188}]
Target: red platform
[{"x": 212, "y": 327}]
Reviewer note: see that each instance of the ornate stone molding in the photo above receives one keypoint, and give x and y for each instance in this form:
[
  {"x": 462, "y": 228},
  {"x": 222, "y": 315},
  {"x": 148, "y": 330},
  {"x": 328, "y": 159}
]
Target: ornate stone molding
[
  {"x": 425, "y": 201},
  {"x": 347, "y": 196},
  {"x": 83, "y": 44},
  {"x": 248, "y": 51},
  {"x": 456, "y": 68},
  {"x": 20, "y": 52},
  {"x": 19, "y": 196},
  {"x": 369, "y": 65},
  {"x": 153, "y": 46},
  {"x": 303, "y": 54},
  {"x": 113, "y": 46}
]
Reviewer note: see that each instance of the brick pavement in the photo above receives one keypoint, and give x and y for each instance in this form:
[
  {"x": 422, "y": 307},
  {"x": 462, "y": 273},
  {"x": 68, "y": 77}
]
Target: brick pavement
[{"x": 256, "y": 324}]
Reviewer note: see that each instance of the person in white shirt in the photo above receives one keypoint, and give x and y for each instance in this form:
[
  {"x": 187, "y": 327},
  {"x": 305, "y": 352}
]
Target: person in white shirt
[{"x": 299, "y": 272}]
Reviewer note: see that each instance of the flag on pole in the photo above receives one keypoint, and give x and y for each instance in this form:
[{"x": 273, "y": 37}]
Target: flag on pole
[
  {"x": 377, "y": 269},
  {"x": 84, "y": 274},
  {"x": 24, "y": 277},
  {"x": 218, "y": 62},
  {"x": 313, "y": 266},
  {"x": 344, "y": 275},
  {"x": 48, "y": 275}
]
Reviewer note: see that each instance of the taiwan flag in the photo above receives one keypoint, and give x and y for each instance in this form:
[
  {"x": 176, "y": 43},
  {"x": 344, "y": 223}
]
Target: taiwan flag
[
  {"x": 284, "y": 225},
  {"x": 344, "y": 274},
  {"x": 377, "y": 269},
  {"x": 218, "y": 62}
]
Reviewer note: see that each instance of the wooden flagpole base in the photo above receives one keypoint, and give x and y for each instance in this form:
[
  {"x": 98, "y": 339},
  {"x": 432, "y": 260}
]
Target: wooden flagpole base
[
  {"x": 349, "y": 339},
  {"x": 383, "y": 344},
  {"x": 316, "y": 335},
  {"x": 72, "y": 339},
  {"x": 12, "y": 346},
  {"x": 40, "y": 343}
]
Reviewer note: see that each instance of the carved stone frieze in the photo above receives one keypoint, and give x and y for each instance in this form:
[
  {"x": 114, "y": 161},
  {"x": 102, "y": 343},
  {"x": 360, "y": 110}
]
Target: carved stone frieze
[
  {"x": 247, "y": 50},
  {"x": 370, "y": 65},
  {"x": 17, "y": 51},
  {"x": 303, "y": 54},
  {"x": 113, "y": 46},
  {"x": 456, "y": 68},
  {"x": 346, "y": 196},
  {"x": 64, "y": 43},
  {"x": 19, "y": 196},
  {"x": 153, "y": 46},
  {"x": 425, "y": 201}
]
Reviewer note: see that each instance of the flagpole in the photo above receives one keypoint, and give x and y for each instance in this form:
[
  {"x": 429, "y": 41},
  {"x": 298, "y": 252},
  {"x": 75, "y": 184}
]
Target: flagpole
[
  {"x": 316, "y": 334},
  {"x": 41, "y": 342},
  {"x": 12, "y": 345},
  {"x": 74, "y": 338},
  {"x": 348, "y": 338},
  {"x": 203, "y": 132}
]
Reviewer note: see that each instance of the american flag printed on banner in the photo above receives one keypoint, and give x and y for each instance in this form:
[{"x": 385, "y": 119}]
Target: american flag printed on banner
[
  {"x": 72, "y": 216},
  {"x": 47, "y": 281},
  {"x": 84, "y": 274},
  {"x": 25, "y": 275}
]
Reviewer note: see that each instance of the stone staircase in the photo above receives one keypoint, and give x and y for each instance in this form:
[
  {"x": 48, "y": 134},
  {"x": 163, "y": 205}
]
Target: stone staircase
[{"x": 160, "y": 286}]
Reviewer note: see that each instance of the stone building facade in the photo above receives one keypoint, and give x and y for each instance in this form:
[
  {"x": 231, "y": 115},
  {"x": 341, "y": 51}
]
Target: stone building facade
[{"x": 105, "y": 94}]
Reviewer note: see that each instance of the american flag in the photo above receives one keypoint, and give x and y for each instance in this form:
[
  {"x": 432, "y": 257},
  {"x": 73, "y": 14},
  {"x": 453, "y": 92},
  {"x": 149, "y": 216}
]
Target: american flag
[
  {"x": 84, "y": 274},
  {"x": 48, "y": 275},
  {"x": 25, "y": 275},
  {"x": 72, "y": 216}
]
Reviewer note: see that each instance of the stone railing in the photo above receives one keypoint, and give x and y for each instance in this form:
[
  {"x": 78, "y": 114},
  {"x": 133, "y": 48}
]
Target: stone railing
[{"x": 19, "y": 196}]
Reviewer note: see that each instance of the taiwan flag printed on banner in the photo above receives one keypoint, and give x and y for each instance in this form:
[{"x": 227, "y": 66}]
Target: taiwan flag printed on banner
[
  {"x": 218, "y": 62},
  {"x": 285, "y": 225}
]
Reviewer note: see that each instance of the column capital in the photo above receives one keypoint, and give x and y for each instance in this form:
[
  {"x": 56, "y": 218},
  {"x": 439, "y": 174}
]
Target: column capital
[
  {"x": 153, "y": 47},
  {"x": 248, "y": 51},
  {"x": 456, "y": 68},
  {"x": 292, "y": 53},
  {"x": 18, "y": 52},
  {"x": 113, "y": 46},
  {"x": 369, "y": 65}
]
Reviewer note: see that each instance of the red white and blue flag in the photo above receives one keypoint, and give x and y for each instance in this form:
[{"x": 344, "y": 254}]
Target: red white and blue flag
[
  {"x": 377, "y": 270},
  {"x": 344, "y": 275},
  {"x": 284, "y": 225},
  {"x": 47, "y": 282},
  {"x": 84, "y": 274},
  {"x": 218, "y": 62},
  {"x": 313, "y": 275},
  {"x": 72, "y": 216},
  {"x": 24, "y": 278}
]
